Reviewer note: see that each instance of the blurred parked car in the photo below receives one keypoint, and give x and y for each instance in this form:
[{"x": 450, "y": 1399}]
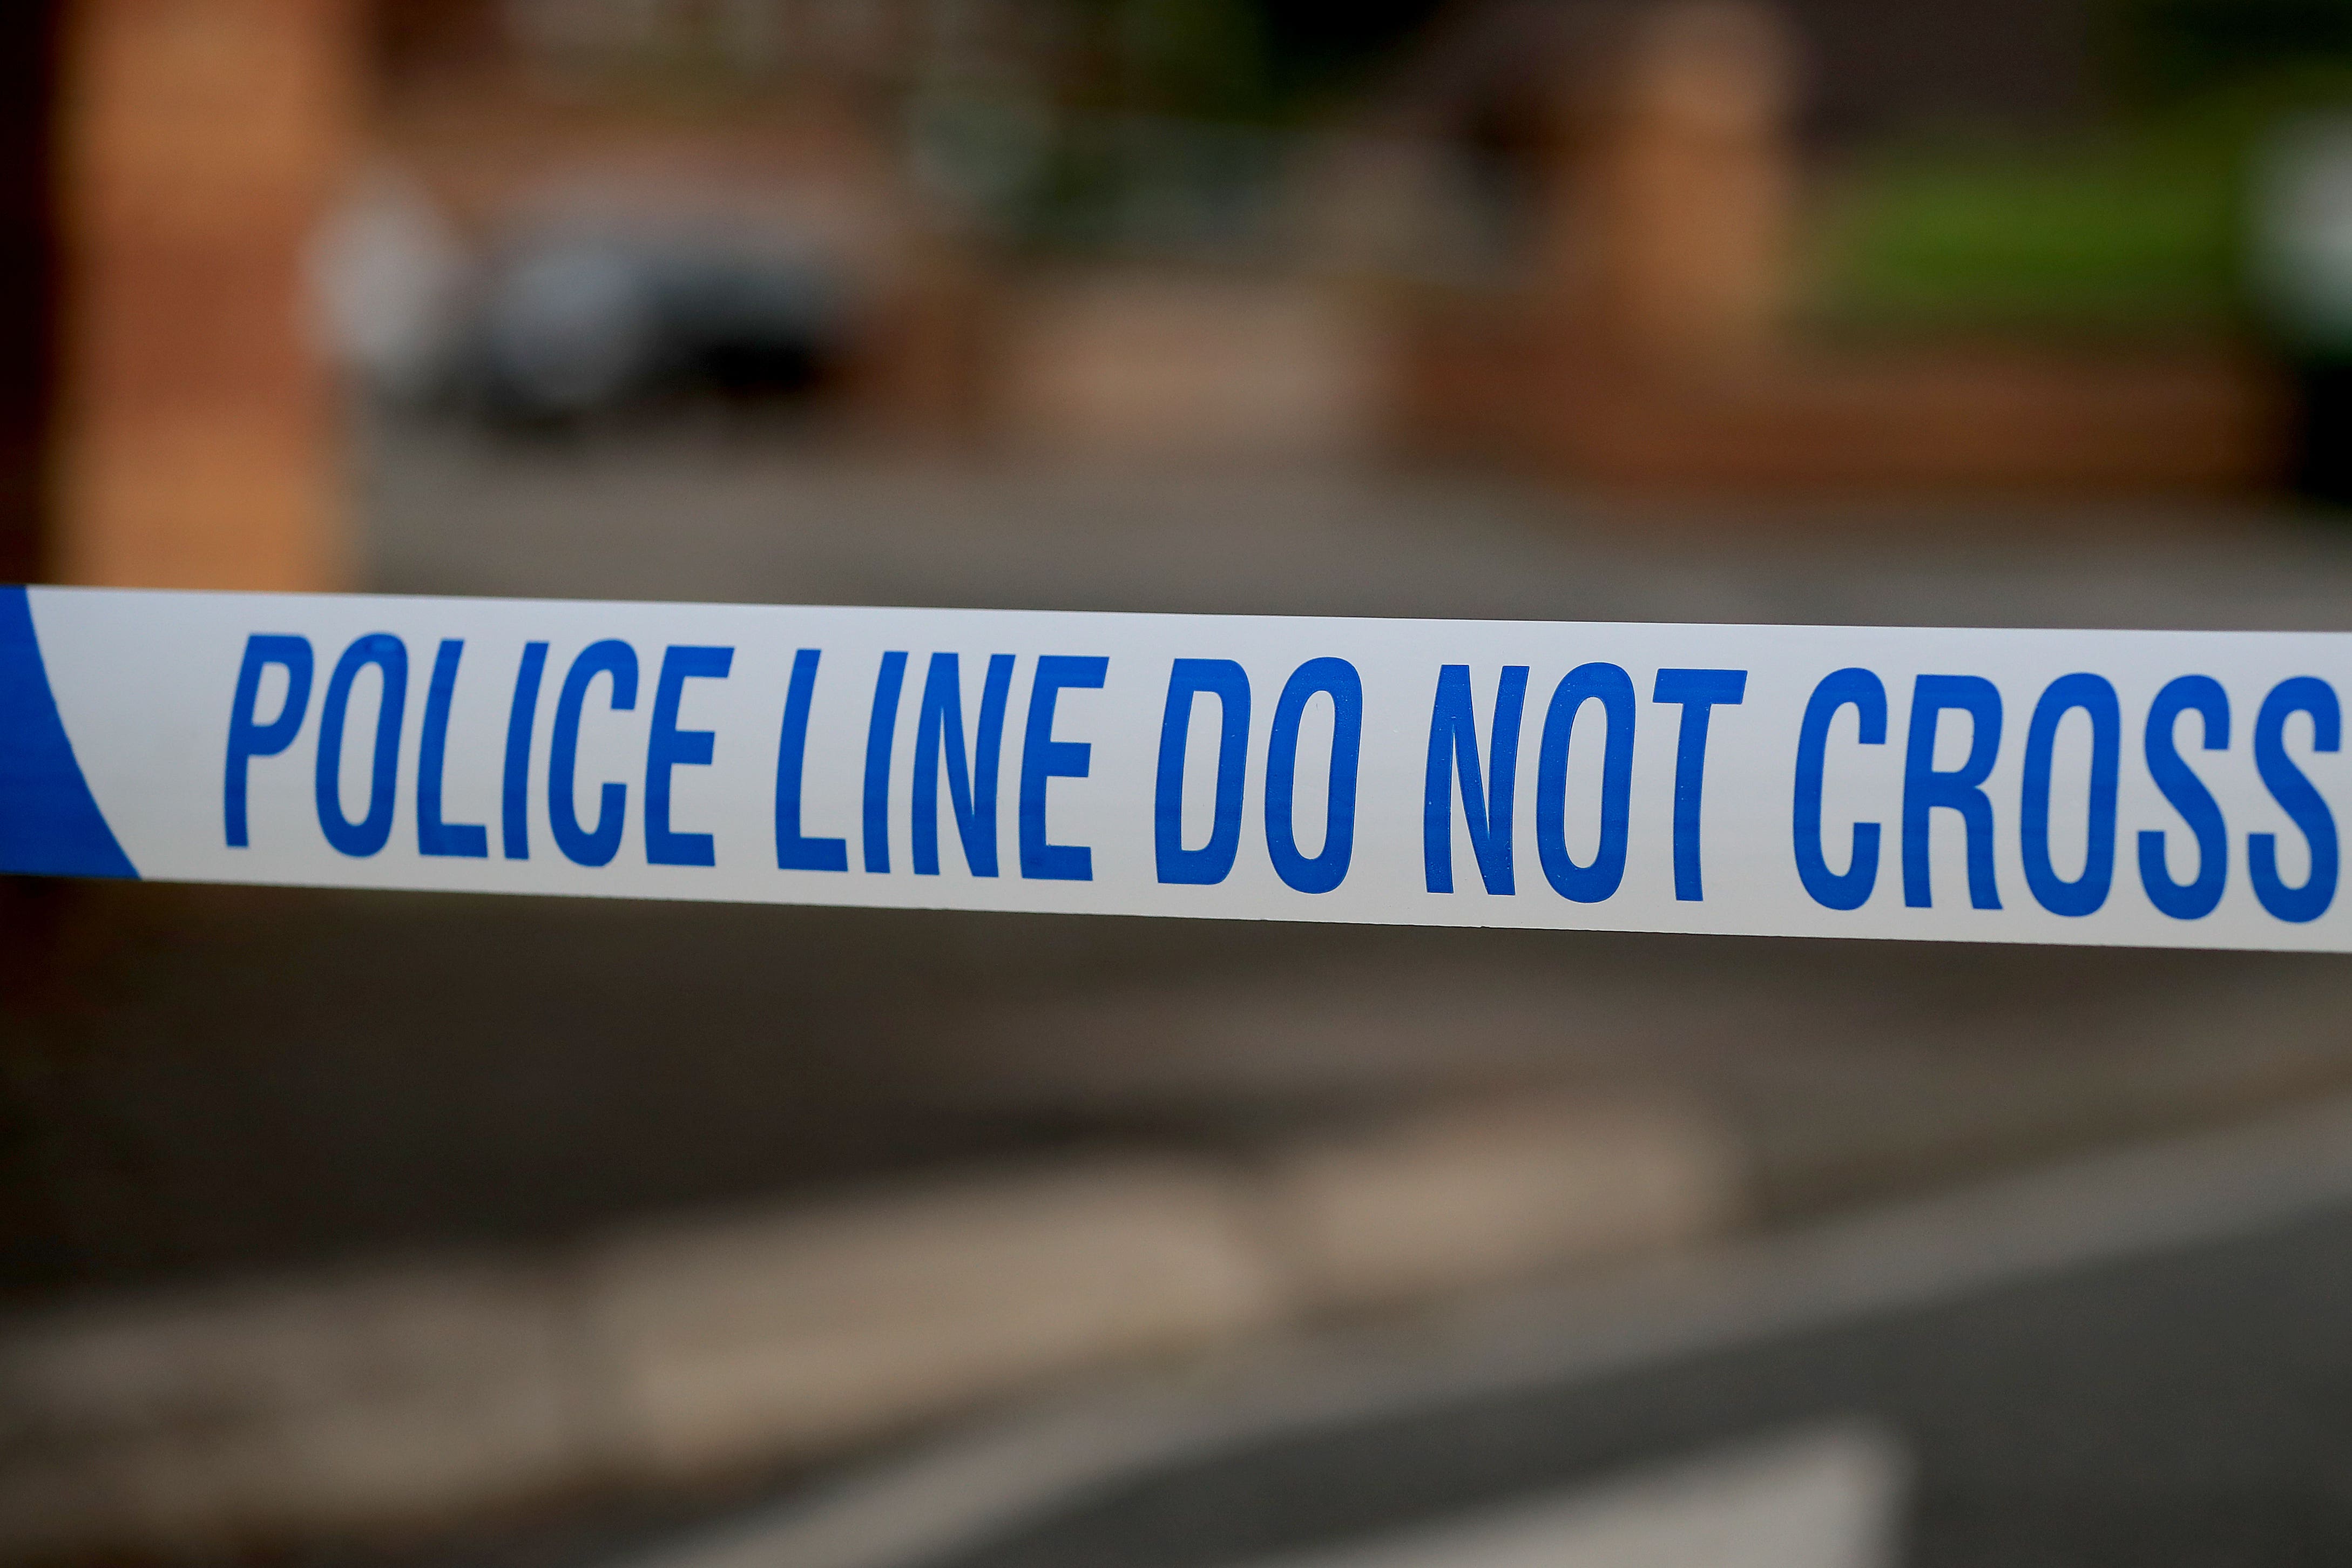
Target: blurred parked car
[
  {"x": 591, "y": 298},
  {"x": 579, "y": 318}
]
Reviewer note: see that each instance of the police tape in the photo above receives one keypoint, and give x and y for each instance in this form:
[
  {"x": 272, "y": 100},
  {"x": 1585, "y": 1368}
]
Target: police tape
[{"x": 2150, "y": 788}]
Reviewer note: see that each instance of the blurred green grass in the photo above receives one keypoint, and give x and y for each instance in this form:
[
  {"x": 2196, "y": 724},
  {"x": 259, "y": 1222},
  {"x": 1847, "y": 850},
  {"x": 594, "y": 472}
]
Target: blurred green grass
[
  {"x": 2135, "y": 228},
  {"x": 2105, "y": 233}
]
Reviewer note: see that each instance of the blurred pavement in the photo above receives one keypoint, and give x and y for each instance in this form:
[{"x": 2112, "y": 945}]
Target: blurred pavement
[
  {"x": 239, "y": 1084},
  {"x": 224, "y": 1078},
  {"x": 735, "y": 510}
]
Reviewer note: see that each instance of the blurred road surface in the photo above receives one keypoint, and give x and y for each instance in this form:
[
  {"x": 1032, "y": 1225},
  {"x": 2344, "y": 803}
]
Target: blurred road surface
[
  {"x": 744, "y": 514},
  {"x": 209, "y": 1080}
]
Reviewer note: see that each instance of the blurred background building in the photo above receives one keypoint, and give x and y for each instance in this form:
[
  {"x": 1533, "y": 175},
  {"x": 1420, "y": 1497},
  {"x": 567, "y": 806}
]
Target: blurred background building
[
  {"x": 390, "y": 1228},
  {"x": 1733, "y": 247}
]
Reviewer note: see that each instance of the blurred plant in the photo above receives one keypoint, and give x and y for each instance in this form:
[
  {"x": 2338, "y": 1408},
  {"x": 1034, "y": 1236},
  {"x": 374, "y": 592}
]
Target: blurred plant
[
  {"x": 2111, "y": 232},
  {"x": 985, "y": 151},
  {"x": 2135, "y": 224},
  {"x": 1251, "y": 60},
  {"x": 2171, "y": 51},
  {"x": 1204, "y": 59},
  {"x": 1170, "y": 131}
]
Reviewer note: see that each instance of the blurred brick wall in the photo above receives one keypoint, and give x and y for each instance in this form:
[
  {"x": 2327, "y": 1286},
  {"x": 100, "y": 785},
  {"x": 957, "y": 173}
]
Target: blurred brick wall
[{"x": 196, "y": 432}]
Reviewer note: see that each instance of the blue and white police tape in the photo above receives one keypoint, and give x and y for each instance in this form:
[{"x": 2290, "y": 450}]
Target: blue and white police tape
[{"x": 2156, "y": 788}]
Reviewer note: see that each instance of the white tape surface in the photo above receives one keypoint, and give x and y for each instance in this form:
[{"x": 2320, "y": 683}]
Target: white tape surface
[{"x": 2160, "y": 788}]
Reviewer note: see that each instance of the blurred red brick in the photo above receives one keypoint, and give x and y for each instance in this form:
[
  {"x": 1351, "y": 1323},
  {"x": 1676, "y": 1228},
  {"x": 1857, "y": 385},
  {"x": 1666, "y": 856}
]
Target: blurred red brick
[{"x": 200, "y": 140}]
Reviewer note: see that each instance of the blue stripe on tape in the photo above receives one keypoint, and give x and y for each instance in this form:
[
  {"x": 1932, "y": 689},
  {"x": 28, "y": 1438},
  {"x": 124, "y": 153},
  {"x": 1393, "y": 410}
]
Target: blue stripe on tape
[{"x": 49, "y": 825}]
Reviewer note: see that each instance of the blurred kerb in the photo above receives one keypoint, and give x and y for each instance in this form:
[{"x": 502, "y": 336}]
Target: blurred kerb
[{"x": 2144, "y": 1201}]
